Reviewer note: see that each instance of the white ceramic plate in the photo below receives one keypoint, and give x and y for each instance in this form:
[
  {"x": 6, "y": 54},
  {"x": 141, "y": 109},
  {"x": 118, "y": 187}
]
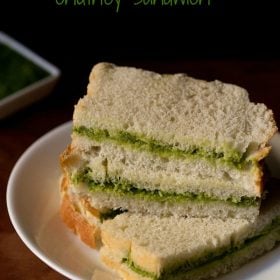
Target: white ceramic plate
[{"x": 33, "y": 205}]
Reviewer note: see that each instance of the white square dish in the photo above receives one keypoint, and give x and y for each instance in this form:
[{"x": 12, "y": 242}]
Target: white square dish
[{"x": 31, "y": 92}]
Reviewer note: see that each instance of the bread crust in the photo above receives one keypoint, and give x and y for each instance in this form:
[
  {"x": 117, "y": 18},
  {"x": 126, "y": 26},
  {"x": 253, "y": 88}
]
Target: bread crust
[
  {"x": 66, "y": 158},
  {"x": 88, "y": 233},
  {"x": 119, "y": 268},
  {"x": 273, "y": 130}
]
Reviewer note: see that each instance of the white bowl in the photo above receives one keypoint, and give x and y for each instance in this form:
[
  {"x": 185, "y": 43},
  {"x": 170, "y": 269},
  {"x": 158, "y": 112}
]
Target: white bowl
[{"x": 34, "y": 91}]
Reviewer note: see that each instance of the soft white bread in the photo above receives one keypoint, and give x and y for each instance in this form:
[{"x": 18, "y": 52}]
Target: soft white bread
[
  {"x": 175, "y": 109},
  {"x": 73, "y": 160},
  {"x": 190, "y": 208},
  {"x": 155, "y": 244},
  {"x": 211, "y": 270},
  {"x": 168, "y": 174},
  {"x": 160, "y": 247}
]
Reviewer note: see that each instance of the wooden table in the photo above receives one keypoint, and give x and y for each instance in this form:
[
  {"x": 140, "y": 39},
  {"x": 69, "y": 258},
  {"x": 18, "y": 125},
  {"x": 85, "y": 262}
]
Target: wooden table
[{"x": 261, "y": 78}]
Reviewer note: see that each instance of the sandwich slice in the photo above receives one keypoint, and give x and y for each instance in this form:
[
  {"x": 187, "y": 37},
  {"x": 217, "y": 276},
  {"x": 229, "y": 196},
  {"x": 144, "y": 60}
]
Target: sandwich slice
[
  {"x": 141, "y": 247},
  {"x": 168, "y": 145}
]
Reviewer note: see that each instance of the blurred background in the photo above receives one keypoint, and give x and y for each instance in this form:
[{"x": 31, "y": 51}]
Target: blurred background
[
  {"x": 230, "y": 40},
  {"x": 76, "y": 37}
]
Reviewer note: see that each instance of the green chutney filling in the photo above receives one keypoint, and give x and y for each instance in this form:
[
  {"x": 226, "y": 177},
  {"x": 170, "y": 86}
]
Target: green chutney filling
[
  {"x": 16, "y": 71},
  {"x": 208, "y": 258},
  {"x": 143, "y": 143},
  {"x": 123, "y": 187}
]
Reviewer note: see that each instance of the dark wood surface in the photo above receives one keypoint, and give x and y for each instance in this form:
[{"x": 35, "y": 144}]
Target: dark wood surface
[{"x": 19, "y": 131}]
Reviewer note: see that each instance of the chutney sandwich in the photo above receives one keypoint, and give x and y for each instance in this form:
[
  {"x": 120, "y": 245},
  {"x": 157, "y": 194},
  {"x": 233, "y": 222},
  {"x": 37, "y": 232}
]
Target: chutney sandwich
[
  {"x": 140, "y": 247},
  {"x": 171, "y": 145}
]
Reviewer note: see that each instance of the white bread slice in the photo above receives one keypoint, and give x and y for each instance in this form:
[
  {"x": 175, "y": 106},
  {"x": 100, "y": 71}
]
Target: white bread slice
[
  {"x": 190, "y": 208},
  {"x": 168, "y": 174},
  {"x": 175, "y": 109},
  {"x": 208, "y": 271},
  {"x": 73, "y": 159},
  {"x": 159, "y": 245}
]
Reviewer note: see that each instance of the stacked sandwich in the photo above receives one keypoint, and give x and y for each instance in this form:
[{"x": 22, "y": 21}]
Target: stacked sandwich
[{"x": 168, "y": 155}]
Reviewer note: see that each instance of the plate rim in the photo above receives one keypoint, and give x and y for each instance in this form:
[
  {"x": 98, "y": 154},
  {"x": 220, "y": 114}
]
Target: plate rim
[{"x": 11, "y": 211}]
